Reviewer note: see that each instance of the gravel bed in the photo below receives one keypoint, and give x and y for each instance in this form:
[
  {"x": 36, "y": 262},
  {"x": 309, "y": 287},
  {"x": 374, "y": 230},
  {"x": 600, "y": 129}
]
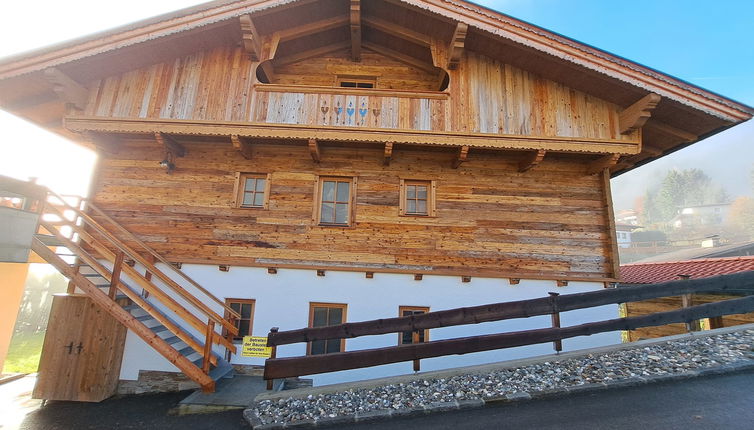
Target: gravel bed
[{"x": 673, "y": 357}]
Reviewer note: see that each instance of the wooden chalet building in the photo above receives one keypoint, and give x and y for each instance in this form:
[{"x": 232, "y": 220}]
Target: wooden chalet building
[{"x": 316, "y": 161}]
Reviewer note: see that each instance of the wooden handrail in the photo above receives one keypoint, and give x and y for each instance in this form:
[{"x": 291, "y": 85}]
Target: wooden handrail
[
  {"x": 171, "y": 304},
  {"x": 511, "y": 310},
  {"x": 160, "y": 258},
  {"x": 148, "y": 265}
]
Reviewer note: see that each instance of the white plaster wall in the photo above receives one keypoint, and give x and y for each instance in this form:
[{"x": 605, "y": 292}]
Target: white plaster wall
[{"x": 282, "y": 300}]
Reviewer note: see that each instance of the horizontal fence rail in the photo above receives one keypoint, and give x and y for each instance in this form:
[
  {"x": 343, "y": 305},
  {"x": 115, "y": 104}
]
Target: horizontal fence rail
[
  {"x": 735, "y": 283},
  {"x": 275, "y": 368}
]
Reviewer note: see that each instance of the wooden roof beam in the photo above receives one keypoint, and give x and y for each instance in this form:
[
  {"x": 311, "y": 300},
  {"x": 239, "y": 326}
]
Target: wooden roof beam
[
  {"x": 355, "y": 14},
  {"x": 396, "y": 30},
  {"x": 400, "y": 57},
  {"x": 672, "y": 131},
  {"x": 322, "y": 50},
  {"x": 314, "y": 150},
  {"x": 103, "y": 142},
  {"x": 242, "y": 145},
  {"x": 252, "y": 43},
  {"x": 314, "y": 27},
  {"x": 463, "y": 153},
  {"x": 170, "y": 144},
  {"x": 602, "y": 163},
  {"x": 457, "y": 42},
  {"x": 388, "y": 153},
  {"x": 634, "y": 116},
  {"x": 531, "y": 160},
  {"x": 68, "y": 90}
]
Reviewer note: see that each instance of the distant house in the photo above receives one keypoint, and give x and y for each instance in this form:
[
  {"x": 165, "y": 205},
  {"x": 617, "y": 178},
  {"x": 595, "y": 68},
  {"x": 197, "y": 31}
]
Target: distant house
[
  {"x": 623, "y": 234},
  {"x": 701, "y": 215},
  {"x": 627, "y": 216},
  {"x": 652, "y": 273},
  {"x": 715, "y": 251}
]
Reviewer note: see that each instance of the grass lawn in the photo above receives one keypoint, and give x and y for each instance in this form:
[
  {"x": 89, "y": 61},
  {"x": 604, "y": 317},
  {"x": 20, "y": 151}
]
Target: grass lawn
[{"x": 23, "y": 353}]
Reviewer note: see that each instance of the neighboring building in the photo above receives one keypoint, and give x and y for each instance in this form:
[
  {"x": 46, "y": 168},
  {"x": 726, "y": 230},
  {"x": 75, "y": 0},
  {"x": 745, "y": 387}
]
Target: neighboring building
[
  {"x": 654, "y": 273},
  {"x": 711, "y": 248},
  {"x": 627, "y": 217},
  {"x": 701, "y": 215},
  {"x": 344, "y": 161},
  {"x": 623, "y": 234}
]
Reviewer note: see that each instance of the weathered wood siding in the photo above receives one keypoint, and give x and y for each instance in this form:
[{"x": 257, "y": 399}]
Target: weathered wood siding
[
  {"x": 494, "y": 97},
  {"x": 491, "y": 220},
  {"x": 666, "y": 304}
]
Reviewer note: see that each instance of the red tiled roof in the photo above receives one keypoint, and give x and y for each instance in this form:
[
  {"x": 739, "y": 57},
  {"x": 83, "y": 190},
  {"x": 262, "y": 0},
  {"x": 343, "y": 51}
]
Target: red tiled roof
[{"x": 651, "y": 273}]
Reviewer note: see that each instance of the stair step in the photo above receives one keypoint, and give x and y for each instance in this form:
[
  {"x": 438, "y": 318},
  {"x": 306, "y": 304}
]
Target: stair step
[
  {"x": 223, "y": 369},
  {"x": 92, "y": 275},
  {"x": 131, "y": 307},
  {"x": 49, "y": 239},
  {"x": 146, "y": 317},
  {"x": 186, "y": 351},
  {"x": 158, "y": 328},
  {"x": 172, "y": 340}
]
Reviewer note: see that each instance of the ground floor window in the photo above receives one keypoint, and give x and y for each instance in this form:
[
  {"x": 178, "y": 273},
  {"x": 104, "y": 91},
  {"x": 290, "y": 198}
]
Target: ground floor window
[
  {"x": 245, "y": 308},
  {"x": 326, "y": 314},
  {"x": 407, "y": 337}
]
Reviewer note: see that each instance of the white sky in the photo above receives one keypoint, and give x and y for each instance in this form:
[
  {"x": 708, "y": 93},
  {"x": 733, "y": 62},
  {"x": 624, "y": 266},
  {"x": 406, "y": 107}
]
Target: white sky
[{"x": 29, "y": 151}]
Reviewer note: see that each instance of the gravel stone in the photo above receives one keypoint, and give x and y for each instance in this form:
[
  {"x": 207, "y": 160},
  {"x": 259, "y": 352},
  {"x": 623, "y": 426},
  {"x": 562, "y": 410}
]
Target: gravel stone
[{"x": 678, "y": 358}]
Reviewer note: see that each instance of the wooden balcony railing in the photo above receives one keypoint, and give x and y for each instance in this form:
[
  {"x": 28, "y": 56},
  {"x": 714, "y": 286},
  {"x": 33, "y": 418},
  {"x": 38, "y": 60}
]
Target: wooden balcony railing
[{"x": 351, "y": 107}]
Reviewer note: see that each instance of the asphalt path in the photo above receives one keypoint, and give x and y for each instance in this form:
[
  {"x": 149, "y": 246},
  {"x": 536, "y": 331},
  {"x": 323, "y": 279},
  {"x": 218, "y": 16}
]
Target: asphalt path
[{"x": 714, "y": 402}]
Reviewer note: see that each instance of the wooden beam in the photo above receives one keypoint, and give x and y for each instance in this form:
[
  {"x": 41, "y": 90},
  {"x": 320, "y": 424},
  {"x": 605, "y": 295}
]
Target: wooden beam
[
  {"x": 396, "y": 30},
  {"x": 602, "y": 163},
  {"x": 742, "y": 282},
  {"x": 308, "y": 365},
  {"x": 455, "y": 49},
  {"x": 170, "y": 145},
  {"x": 463, "y": 153},
  {"x": 388, "y": 153},
  {"x": 672, "y": 131},
  {"x": 419, "y": 64},
  {"x": 241, "y": 145},
  {"x": 314, "y": 27},
  {"x": 653, "y": 151},
  {"x": 312, "y": 53},
  {"x": 101, "y": 141},
  {"x": 250, "y": 39},
  {"x": 355, "y": 15},
  {"x": 68, "y": 90},
  {"x": 314, "y": 150},
  {"x": 531, "y": 160},
  {"x": 634, "y": 116}
]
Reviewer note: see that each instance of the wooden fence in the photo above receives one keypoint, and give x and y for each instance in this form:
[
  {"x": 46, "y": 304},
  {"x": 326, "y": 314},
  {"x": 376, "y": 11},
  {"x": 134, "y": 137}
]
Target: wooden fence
[{"x": 275, "y": 368}]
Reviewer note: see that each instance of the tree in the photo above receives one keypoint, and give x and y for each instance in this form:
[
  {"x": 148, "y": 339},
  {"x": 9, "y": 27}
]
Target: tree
[
  {"x": 742, "y": 215},
  {"x": 681, "y": 188}
]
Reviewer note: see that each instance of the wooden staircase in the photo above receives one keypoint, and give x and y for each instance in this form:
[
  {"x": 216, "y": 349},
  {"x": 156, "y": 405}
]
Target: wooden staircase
[{"x": 118, "y": 271}]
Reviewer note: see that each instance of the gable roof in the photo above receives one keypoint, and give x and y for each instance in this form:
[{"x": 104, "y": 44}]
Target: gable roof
[
  {"x": 652, "y": 273},
  {"x": 686, "y": 114}
]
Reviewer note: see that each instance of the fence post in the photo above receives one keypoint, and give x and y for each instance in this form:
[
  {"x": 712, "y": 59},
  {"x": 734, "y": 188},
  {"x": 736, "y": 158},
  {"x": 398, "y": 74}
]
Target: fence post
[
  {"x": 415, "y": 339},
  {"x": 555, "y": 316},
  {"x": 688, "y": 301},
  {"x": 273, "y": 354}
]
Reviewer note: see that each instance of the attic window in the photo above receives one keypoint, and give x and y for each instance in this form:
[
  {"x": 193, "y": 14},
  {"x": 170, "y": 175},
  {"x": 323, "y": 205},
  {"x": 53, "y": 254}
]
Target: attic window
[{"x": 357, "y": 81}]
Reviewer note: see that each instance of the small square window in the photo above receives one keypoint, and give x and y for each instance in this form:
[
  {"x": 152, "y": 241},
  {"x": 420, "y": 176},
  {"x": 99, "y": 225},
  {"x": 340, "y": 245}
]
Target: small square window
[
  {"x": 252, "y": 190},
  {"x": 407, "y": 338},
  {"x": 322, "y": 315},
  {"x": 245, "y": 308},
  {"x": 417, "y": 198},
  {"x": 357, "y": 81}
]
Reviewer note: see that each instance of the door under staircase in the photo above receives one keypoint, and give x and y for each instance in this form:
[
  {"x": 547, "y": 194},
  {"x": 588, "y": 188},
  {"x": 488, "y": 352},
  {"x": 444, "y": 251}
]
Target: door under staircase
[{"x": 168, "y": 310}]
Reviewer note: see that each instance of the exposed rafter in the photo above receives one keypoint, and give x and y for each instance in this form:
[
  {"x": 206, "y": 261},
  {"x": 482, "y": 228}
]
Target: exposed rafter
[
  {"x": 531, "y": 160},
  {"x": 169, "y": 144},
  {"x": 355, "y": 15},
  {"x": 241, "y": 145},
  {"x": 252, "y": 43},
  {"x": 322, "y": 50},
  {"x": 457, "y": 42},
  {"x": 388, "y": 153},
  {"x": 651, "y": 150},
  {"x": 314, "y": 27},
  {"x": 400, "y": 57},
  {"x": 601, "y": 163},
  {"x": 463, "y": 153},
  {"x": 634, "y": 116},
  {"x": 396, "y": 30},
  {"x": 672, "y": 131},
  {"x": 68, "y": 90},
  {"x": 314, "y": 150}
]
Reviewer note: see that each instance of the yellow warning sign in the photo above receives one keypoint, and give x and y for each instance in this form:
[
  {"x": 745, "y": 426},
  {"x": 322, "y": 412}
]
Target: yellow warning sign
[{"x": 255, "y": 346}]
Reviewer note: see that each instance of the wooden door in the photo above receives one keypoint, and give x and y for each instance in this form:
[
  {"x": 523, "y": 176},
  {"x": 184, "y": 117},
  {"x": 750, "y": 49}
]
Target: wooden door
[{"x": 82, "y": 352}]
